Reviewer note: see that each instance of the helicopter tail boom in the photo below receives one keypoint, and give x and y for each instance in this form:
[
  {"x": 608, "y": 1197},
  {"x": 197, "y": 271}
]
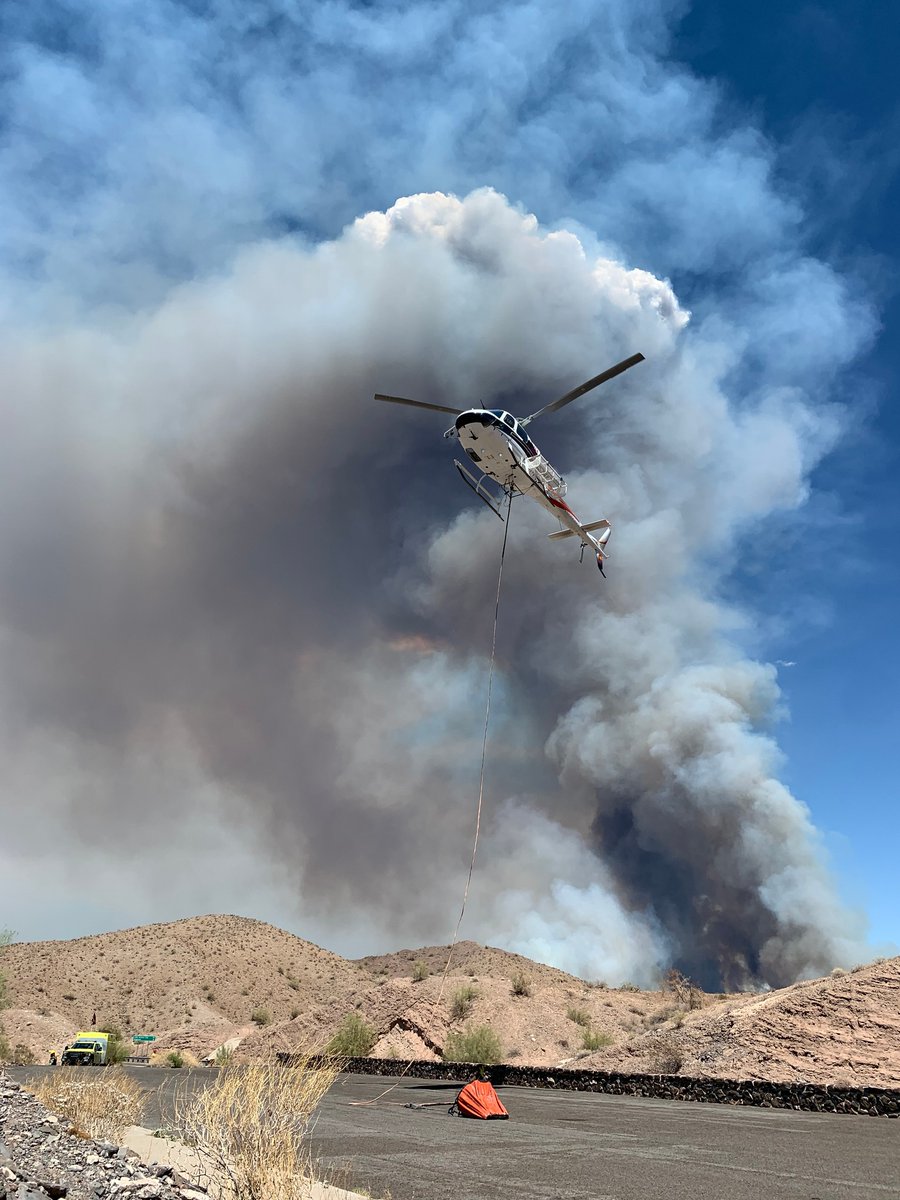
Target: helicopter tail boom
[{"x": 601, "y": 540}]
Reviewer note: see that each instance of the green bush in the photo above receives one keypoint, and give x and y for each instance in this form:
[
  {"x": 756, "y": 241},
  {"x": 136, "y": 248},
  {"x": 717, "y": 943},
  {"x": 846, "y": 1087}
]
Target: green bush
[
  {"x": 224, "y": 1055},
  {"x": 118, "y": 1049},
  {"x": 594, "y": 1040},
  {"x": 5, "y": 1051},
  {"x": 420, "y": 971},
  {"x": 462, "y": 1002},
  {"x": 354, "y": 1039},
  {"x": 6, "y": 936},
  {"x": 175, "y": 1058},
  {"x": 580, "y": 1016},
  {"x": 261, "y": 1016},
  {"x": 478, "y": 1044},
  {"x": 521, "y": 984}
]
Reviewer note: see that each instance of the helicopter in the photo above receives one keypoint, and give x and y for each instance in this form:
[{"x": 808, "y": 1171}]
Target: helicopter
[{"x": 503, "y": 454}]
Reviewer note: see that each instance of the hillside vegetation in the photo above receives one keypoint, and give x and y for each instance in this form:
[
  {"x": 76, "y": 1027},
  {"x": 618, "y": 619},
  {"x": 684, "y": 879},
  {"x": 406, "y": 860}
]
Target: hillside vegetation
[{"x": 222, "y": 981}]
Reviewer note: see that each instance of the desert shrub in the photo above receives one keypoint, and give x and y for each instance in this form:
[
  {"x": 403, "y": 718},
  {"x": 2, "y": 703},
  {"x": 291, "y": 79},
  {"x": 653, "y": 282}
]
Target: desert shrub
[
  {"x": 629, "y": 987},
  {"x": 118, "y": 1049},
  {"x": 666, "y": 1057},
  {"x": 23, "y": 1056},
  {"x": 594, "y": 1040},
  {"x": 463, "y": 999},
  {"x": 688, "y": 994},
  {"x": 175, "y": 1058},
  {"x": 295, "y": 1012},
  {"x": 224, "y": 1056},
  {"x": 261, "y": 1016},
  {"x": 99, "y": 1104},
  {"x": 6, "y": 936},
  {"x": 478, "y": 1044},
  {"x": 520, "y": 984},
  {"x": 580, "y": 1016},
  {"x": 661, "y": 1015},
  {"x": 68, "y": 996},
  {"x": 837, "y": 971},
  {"x": 354, "y": 1039},
  {"x": 250, "y": 1128},
  {"x": 420, "y": 971}
]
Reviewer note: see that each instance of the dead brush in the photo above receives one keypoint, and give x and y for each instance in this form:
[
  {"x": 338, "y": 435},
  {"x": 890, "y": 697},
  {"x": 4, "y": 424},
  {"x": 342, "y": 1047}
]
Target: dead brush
[
  {"x": 100, "y": 1105},
  {"x": 250, "y": 1127}
]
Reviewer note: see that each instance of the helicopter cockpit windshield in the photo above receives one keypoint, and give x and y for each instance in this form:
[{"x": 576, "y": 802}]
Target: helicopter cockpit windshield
[{"x": 510, "y": 423}]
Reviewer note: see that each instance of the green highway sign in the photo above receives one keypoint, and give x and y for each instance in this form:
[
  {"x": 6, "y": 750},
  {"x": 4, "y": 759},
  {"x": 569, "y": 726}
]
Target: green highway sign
[{"x": 144, "y": 1037}]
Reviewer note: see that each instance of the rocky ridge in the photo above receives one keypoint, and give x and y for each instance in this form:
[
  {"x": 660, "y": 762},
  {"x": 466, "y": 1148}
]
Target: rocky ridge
[{"x": 40, "y": 1157}]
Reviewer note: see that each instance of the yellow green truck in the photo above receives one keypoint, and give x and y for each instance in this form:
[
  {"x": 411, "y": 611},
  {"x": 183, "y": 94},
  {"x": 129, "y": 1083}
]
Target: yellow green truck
[{"x": 90, "y": 1049}]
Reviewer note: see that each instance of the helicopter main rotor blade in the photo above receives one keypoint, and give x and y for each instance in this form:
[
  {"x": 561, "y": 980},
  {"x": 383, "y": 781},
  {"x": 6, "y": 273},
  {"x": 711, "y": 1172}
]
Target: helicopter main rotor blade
[
  {"x": 611, "y": 373},
  {"x": 418, "y": 404}
]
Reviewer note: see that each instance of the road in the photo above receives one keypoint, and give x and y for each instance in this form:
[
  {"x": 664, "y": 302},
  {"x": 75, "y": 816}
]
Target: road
[{"x": 578, "y": 1145}]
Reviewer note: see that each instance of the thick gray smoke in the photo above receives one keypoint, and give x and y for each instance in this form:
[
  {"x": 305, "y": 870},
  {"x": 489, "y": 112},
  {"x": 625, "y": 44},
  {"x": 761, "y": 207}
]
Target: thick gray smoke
[
  {"x": 227, "y": 573},
  {"x": 244, "y": 611}
]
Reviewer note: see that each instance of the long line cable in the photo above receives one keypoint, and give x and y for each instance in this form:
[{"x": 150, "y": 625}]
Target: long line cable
[
  {"x": 487, "y": 721},
  {"x": 478, "y": 807}
]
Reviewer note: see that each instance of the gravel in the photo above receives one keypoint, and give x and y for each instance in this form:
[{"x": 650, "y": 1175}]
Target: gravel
[{"x": 41, "y": 1157}]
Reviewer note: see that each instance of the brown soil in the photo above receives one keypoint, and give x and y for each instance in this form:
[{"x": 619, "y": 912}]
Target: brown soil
[{"x": 197, "y": 984}]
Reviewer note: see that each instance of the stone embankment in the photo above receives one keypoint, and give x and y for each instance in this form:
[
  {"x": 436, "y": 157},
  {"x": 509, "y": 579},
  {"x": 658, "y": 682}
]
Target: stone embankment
[
  {"x": 872, "y": 1102},
  {"x": 40, "y": 1157}
]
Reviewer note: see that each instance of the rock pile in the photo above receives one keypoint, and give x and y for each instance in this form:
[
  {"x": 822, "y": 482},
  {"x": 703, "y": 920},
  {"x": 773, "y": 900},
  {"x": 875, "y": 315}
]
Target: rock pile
[{"x": 40, "y": 1157}]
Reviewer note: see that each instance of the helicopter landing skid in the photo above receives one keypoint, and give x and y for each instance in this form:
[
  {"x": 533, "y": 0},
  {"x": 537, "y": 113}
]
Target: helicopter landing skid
[{"x": 480, "y": 488}]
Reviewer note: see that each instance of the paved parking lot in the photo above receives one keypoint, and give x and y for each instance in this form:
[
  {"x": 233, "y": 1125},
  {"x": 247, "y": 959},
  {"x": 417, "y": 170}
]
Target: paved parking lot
[{"x": 578, "y": 1145}]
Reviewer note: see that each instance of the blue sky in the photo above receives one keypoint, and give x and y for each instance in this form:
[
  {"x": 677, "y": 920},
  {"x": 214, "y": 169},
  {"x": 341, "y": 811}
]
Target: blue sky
[
  {"x": 819, "y": 79},
  {"x": 167, "y": 168}
]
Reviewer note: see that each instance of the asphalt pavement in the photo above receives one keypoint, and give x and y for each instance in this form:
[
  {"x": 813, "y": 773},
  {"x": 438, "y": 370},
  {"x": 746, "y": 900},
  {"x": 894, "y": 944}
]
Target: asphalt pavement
[{"x": 577, "y": 1145}]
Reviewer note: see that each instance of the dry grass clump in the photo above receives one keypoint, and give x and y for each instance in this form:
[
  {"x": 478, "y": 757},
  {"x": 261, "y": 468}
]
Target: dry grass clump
[
  {"x": 595, "y": 1040},
  {"x": 249, "y": 1126},
  {"x": 99, "y": 1104},
  {"x": 666, "y": 1057},
  {"x": 520, "y": 984},
  {"x": 463, "y": 999}
]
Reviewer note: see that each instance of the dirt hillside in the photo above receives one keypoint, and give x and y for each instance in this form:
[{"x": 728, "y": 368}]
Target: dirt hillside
[
  {"x": 208, "y": 981},
  {"x": 193, "y": 983},
  {"x": 843, "y": 1029}
]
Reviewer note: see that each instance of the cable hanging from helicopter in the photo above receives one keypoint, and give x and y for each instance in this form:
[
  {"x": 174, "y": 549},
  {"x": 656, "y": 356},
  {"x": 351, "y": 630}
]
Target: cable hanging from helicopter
[{"x": 502, "y": 451}]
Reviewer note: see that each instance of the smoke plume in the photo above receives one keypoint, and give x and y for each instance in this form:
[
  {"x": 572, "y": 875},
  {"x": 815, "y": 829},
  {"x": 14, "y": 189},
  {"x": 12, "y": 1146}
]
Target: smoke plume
[{"x": 246, "y": 611}]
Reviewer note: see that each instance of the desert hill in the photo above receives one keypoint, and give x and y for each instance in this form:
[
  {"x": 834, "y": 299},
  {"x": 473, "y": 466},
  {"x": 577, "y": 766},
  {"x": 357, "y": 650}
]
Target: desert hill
[
  {"x": 843, "y": 1029},
  {"x": 204, "y": 975},
  {"x": 208, "y": 981}
]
